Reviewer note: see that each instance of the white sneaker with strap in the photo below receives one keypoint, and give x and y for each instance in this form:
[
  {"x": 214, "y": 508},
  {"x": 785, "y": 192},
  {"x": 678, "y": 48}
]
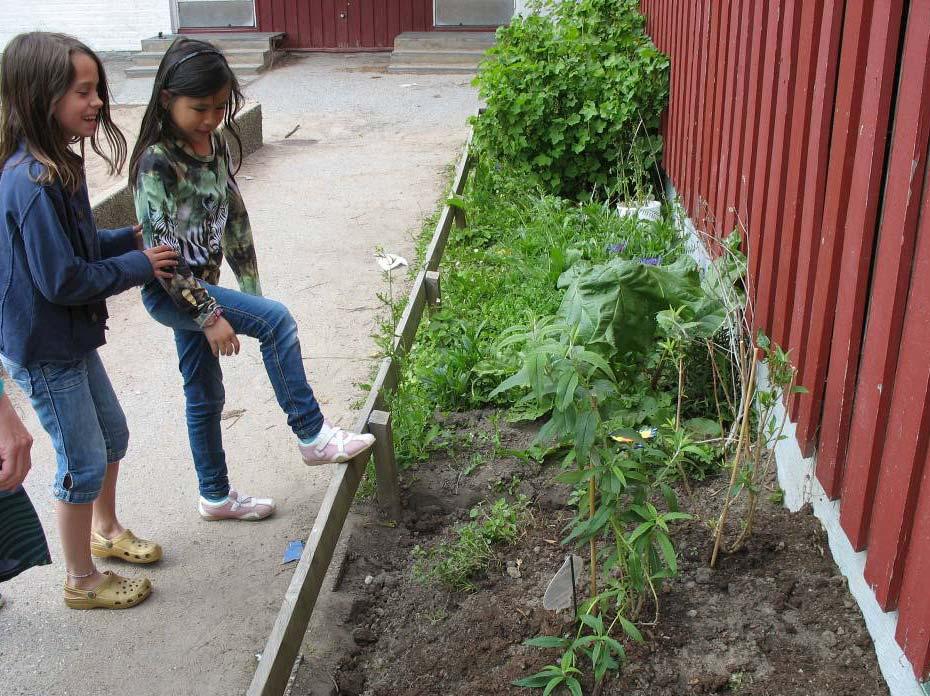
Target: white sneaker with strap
[
  {"x": 333, "y": 445},
  {"x": 237, "y": 506}
]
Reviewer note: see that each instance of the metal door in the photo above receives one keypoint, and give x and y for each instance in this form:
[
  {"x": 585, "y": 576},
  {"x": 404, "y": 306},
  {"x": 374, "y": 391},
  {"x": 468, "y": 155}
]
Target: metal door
[
  {"x": 214, "y": 14},
  {"x": 475, "y": 13}
]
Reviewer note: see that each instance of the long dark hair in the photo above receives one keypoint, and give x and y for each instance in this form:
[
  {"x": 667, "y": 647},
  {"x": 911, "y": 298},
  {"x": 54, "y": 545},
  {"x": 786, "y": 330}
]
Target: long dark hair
[
  {"x": 189, "y": 68},
  {"x": 36, "y": 73}
]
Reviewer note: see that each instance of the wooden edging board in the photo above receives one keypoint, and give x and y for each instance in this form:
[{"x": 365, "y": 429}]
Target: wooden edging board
[
  {"x": 283, "y": 645},
  {"x": 438, "y": 243}
]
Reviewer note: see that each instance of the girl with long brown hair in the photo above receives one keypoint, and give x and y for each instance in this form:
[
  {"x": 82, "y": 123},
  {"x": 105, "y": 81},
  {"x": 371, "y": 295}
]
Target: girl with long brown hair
[{"x": 56, "y": 274}]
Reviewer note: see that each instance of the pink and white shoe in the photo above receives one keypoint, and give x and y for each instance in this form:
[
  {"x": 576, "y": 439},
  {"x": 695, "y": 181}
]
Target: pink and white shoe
[
  {"x": 334, "y": 445},
  {"x": 237, "y": 507}
]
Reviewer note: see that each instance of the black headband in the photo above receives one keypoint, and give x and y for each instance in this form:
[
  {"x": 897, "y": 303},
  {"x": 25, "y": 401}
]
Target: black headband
[{"x": 204, "y": 52}]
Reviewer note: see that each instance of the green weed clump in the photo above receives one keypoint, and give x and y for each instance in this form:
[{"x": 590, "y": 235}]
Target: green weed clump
[
  {"x": 499, "y": 270},
  {"x": 456, "y": 563}
]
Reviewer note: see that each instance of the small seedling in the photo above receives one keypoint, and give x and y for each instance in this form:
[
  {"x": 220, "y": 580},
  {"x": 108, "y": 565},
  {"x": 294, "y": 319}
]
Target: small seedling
[{"x": 456, "y": 563}]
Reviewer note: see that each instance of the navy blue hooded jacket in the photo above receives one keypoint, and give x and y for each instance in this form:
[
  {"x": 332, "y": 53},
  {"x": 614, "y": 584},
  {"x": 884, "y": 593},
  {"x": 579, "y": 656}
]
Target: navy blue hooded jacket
[{"x": 56, "y": 268}]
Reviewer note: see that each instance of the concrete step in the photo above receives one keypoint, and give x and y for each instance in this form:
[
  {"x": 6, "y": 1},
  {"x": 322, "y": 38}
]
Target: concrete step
[
  {"x": 445, "y": 40},
  {"x": 247, "y": 56},
  {"x": 435, "y": 57},
  {"x": 456, "y": 52},
  {"x": 425, "y": 68},
  {"x": 226, "y": 41},
  {"x": 240, "y": 69},
  {"x": 248, "y": 53}
]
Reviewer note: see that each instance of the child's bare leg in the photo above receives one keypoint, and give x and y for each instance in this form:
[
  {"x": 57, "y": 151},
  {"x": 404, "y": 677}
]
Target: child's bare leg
[
  {"x": 74, "y": 522},
  {"x": 105, "y": 521}
]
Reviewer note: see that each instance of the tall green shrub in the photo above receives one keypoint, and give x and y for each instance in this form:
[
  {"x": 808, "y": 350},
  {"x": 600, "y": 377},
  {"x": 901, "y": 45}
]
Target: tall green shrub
[{"x": 574, "y": 97}]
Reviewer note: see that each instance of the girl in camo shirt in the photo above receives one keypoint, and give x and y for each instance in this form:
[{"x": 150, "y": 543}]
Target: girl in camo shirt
[{"x": 186, "y": 196}]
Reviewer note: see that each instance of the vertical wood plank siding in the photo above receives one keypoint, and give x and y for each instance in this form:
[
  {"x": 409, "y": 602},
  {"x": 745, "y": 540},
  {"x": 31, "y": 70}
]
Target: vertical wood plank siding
[
  {"x": 806, "y": 124},
  {"x": 343, "y": 24}
]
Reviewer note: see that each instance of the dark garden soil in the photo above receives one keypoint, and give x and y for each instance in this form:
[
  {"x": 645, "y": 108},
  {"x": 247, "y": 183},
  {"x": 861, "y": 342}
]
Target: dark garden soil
[{"x": 774, "y": 619}]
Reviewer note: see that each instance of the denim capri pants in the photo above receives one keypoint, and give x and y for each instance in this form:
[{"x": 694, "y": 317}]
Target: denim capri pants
[{"x": 78, "y": 408}]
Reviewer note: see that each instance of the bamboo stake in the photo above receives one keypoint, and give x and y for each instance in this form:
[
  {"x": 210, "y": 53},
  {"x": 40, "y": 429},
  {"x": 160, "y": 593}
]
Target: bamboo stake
[
  {"x": 713, "y": 373},
  {"x": 758, "y": 475},
  {"x": 744, "y": 426},
  {"x": 681, "y": 393},
  {"x": 756, "y": 456},
  {"x": 591, "y": 506}
]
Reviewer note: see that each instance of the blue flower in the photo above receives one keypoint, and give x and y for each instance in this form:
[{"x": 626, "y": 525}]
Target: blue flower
[
  {"x": 651, "y": 261},
  {"x": 616, "y": 248}
]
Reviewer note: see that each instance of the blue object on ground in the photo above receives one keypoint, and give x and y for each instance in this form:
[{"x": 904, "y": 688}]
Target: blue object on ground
[{"x": 293, "y": 551}]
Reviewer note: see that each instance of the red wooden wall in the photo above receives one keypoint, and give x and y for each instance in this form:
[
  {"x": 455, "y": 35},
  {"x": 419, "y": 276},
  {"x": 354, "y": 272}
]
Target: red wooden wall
[
  {"x": 343, "y": 24},
  {"x": 806, "y": 123}
]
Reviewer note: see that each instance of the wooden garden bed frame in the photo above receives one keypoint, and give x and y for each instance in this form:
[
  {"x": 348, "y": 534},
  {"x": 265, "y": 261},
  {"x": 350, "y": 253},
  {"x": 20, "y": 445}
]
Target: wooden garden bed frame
[{"x": 287, "y": 634}]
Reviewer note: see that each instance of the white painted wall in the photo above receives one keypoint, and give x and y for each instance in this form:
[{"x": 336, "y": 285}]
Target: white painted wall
[{"x": 104, "y": 25}]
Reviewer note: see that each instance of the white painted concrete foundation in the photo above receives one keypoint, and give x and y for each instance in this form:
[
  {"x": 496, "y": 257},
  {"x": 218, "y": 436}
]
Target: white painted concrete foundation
[{"x": 796, "y": 478}]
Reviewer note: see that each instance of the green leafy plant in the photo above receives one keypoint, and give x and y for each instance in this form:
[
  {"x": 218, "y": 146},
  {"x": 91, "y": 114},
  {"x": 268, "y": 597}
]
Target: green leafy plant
[
  {"x": 574, "y": 96},
  {"x": 504, "y": 265},
  {"x": 615, "y": 356},
  {"x": 596, "y": 644},
  {"x": 593, "y": 641}
]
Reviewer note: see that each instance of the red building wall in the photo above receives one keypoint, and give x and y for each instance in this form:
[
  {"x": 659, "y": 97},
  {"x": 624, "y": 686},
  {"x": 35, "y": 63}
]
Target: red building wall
[
  {"x": 806, "y": 123},
  {"x": 343, "y": 24}
]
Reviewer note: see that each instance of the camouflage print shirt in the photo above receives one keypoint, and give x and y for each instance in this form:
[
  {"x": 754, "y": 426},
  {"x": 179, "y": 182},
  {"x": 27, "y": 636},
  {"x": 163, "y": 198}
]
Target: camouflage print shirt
[{"x": 192, "y": 203}]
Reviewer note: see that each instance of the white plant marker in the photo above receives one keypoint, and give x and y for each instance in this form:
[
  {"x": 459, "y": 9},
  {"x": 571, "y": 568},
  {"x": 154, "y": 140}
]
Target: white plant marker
[
  {"x": 559, "y": 594},
  {"x": 650, "y": 210}
]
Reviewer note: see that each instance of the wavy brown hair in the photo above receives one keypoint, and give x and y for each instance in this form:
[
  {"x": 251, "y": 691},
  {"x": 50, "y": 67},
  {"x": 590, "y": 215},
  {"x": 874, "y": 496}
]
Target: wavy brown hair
[{"x": 35, "y": 74}]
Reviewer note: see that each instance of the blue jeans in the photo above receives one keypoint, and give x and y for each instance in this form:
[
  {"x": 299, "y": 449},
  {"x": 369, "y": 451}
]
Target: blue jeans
[
  {"x": 272, "y": 324},
  {"x": 77, "y": 407}
]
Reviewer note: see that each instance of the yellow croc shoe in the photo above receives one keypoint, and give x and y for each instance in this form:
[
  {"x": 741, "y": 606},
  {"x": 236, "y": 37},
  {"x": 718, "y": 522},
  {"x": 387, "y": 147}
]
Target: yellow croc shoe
[
  {"x": 115, "y": 592},
  {"x": 126, "y": 546}
]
